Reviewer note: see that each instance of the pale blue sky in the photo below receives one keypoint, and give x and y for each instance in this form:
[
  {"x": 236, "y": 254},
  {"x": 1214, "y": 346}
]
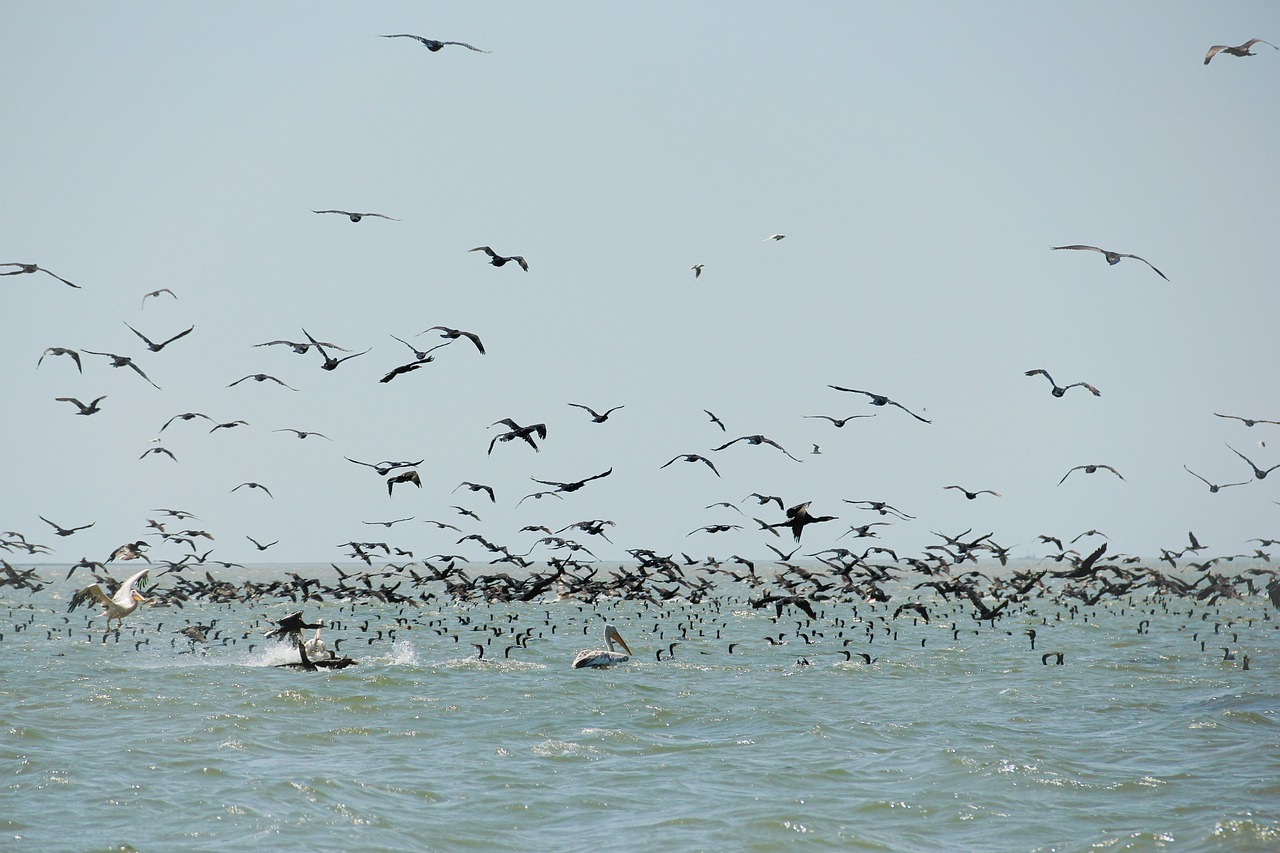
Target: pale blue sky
[{"x": 920, "y": 160}]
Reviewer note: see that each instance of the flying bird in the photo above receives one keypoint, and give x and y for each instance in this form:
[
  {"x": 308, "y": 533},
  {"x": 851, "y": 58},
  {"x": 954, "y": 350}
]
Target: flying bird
[
  {"x": 166, "y": 451},
  {"x": 715, "y": 420},
  {"x": 477, "y": 487},
  {"x": 259, "y": 545},
  {"x": 839, "y": 422},
  {"x": 330, "y": 363},
  {"x": 516, "y": 431},
  {"x": 301, "y": 348},
  {"x": 596, "y": 417},
  {"x": 75, "y": 356},
  {"x": 124, "y": 361},
  {"x": 1214, "y": 488},
  {"x": 29, "y": 268},
  {"x": 1058, "y": 391},
  {"x": 454, "y": 334},
  {"x": 262, "y": 377},
  {"x": 1238, "y": 50},
  {"x": 185, "y": 416},
  {"x": 147, "y": 296},
  {"x": 971, "y": 495},
  {"x": 256, "y": 486},
  {"x": 755, "y": 439},
  {"x": 693, "y": 457},
  {"x": 65, "y": 531},
  {"x": 90, "y": 409},
  {"x": 1090, "y": 469},
  {"x": 432, "y": 44},
  {"x": 574, "y": 485},
  {"x": 798, "y": 518},
  {"x": 498, "y": 260},
  {"x": 404, "y": 477},
  {"x": 1259, "y": 473},
  {"x": 156, "y": 347},
  {"x": 356, "y": 217},
  {"x": 697, "y": 271},
  {"x": 385, "y": 467},
  {"x": 881, "y": 400},
  {"x": 303, "y": 433},
  {"x": 1246, "y": 421},
  {"x": 125, "y": 600},
  {"x": 775, "y": 237},
  {"x": 1113, "y": 258}
]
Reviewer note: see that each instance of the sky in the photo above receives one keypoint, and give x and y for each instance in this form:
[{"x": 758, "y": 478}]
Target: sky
[{"x": 920, "y": 159}]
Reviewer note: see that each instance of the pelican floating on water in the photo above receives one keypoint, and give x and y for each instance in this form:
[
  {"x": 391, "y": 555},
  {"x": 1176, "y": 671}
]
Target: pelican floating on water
[
  {"x": 118, "y": 606},
  {"x": 606, "y": 656}
]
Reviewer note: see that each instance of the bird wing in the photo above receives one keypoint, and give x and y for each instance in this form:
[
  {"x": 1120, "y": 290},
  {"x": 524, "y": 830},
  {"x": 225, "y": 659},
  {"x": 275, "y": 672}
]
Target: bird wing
[
  {"x": 1086, "y": 248},
  {"x": 1147, "y": 262},
  {"x": 1213, "y": 51}
]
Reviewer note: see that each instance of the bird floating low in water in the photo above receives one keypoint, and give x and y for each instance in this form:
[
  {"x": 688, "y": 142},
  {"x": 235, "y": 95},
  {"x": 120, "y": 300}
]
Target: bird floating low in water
[{"x": 606, "y": 656}]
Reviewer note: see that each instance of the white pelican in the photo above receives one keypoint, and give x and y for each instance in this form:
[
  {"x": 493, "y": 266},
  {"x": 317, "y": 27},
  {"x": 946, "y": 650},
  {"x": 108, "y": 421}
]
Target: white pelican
[
  {"x": 606, "y": 656},
  {"x": 118, "y": 606},
  {"x": 315, "y": 645}
]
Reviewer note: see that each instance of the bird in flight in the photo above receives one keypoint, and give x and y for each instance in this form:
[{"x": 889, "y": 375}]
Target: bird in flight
[
  {"x": 185, "y": 416},
  {"x": 1238, "y": 50},
  {"x": 75, "y": 356},
  {"x": 404, "y": 477},
  {"x": 755, "y": 439},
  {"x": 434, "y": 45},
  {"x": 971, "y": 495},
  {"x": 1113, "y": 258},
  {"x": 1214, "y": 488},
  {"x": 517, "y": 431},
  {"x": 839, "y": 422},
  {"x": 261, "y": 377},
  {"x": 1058, "y": 391},
  {"x": 65, "y": 531},
  {"x": 256, "y": 486},
  {"x": 881, "y": 400},
  {"x": 798, "y": 518},
  {"x": 166, "y": 451},
  {"x": 498, "y": 260},
  {"x": 124, "y": 361},
  {"x": 715, "y": 420},
  {"x": 477, "y": 487},
  {"x": 300, "y": 348},
  {"x": 694, "y": 457},
  {"x": 156, "y": 347},
  {"x": 596, "y": 417},
  {"x": 1259, "y": 473},
  {"x": 356, "y": 217},
  {"x": 1246, "y": 421},
  {"x": 330, "y": 363},
  {"x": 775, "y": 237},
  {"x": 91, "y": 409},
  {"x": 1090, "y": 469},
  {"x": 299, "y": 433},
  {"x": 573, "y": 486},
  {"x": 29, "y": 268},
  {"x": 454, "y": 334},
  {"x": 147, "y": 296}
]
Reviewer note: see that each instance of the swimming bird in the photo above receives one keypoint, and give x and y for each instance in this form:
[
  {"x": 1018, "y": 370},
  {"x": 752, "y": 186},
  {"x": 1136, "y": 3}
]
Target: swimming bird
[
  {"x": 1238, "y": 50},
  {"x": 261, "y": 377},
  {"x": 1213, "y": 487},
  {"x": 125, "y": 600},
  {"x": 454, "y": 334},
  {"x": 1058, "y": 391},
  {"x": 123, "y": 361},
  {"x": 75, "y": 356},
  {"x": 596, "y": 417},
  {"x": 881, "y": 400},
  {"x": 1259, "y": 473},
  {"x": 356, "y": 217},
  {"x": 498, "y": 260},
  {"x": 30, "y": 268},
  {"x": 90, "y": 409},
  {"x": 693, "y": 457},
  {"x": 432, "y": 44},
  {"x": 1090, "y": 469},
  {"x": 156, "y": 347},
  {"x": 1113, "y": 258},
  {"x": 607, "y": 656},
  {"x": 971, "y": 495}
]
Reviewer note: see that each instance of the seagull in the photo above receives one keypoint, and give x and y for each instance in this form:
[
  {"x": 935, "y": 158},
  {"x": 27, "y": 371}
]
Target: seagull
[
  {"x": 123, "y": 361},
  {"x": 261, "y": 377},
  {"x": 147, "y": 296},
  {"x": 65, "y": 531},
  {"x": 1259, "y": 473},
  {"x": 697, "y": 271},
  {"x": 1058, "y": 391},
  {"x": 1213, "y": 487},
  {"x": 91, "y": 409},
  {"x": 356, "y": 217},
  {"x": 756, "y": 439},
  {"x": 75, "y": 356},
  {"x": 28, "y": 268},
  {"x": 433, "y": 45},
  {"x": 1239, "y": 50},
  {"x": 971, "y": 495},
  {"x": 881, "y": 400},
  {"x": 454, "y": 334},
  {"x": 156, "y": 347},
  {"x": 596, "y": 417},
  {"x": 498, "y": 260},
  {"x": 118, "y": 606},
  {"x": 256, "y": 486},
  {"x": 1089, "y": 469},
  {"x": 693, "y": 457},
  {"x": 1113, "y": 258},
  {"x": 603, "y": 657}
]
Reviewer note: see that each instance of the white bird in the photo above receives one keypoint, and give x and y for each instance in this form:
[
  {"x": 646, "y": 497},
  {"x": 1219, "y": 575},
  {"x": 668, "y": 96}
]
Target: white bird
[
  {"x": 118, "y": 606},
  {"x": 315, "y": 645},
  {"x": 606, "y": 656}
]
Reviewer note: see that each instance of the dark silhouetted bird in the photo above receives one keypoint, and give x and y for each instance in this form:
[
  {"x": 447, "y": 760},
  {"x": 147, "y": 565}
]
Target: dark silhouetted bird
[
  {"x": 498, "y": 260},
  {"x": 432, "y": 44},
  {"x": 30, "y": 268},
  {"x": 1058, "y": 391},
  {"x": 1113, "y": 258},
  {"x": 356, "y": 217},
  {"x": 1238, "y": 50},
  {"x": 881, "y": 400}
]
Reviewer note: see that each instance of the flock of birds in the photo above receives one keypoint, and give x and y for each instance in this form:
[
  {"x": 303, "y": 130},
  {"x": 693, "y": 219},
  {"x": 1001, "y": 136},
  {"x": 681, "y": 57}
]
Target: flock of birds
[{"x": 861, "y": 593}]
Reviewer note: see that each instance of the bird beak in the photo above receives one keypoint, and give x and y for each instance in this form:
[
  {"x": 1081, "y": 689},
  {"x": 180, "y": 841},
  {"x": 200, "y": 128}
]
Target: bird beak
[{"x": 618, "y": 639}]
